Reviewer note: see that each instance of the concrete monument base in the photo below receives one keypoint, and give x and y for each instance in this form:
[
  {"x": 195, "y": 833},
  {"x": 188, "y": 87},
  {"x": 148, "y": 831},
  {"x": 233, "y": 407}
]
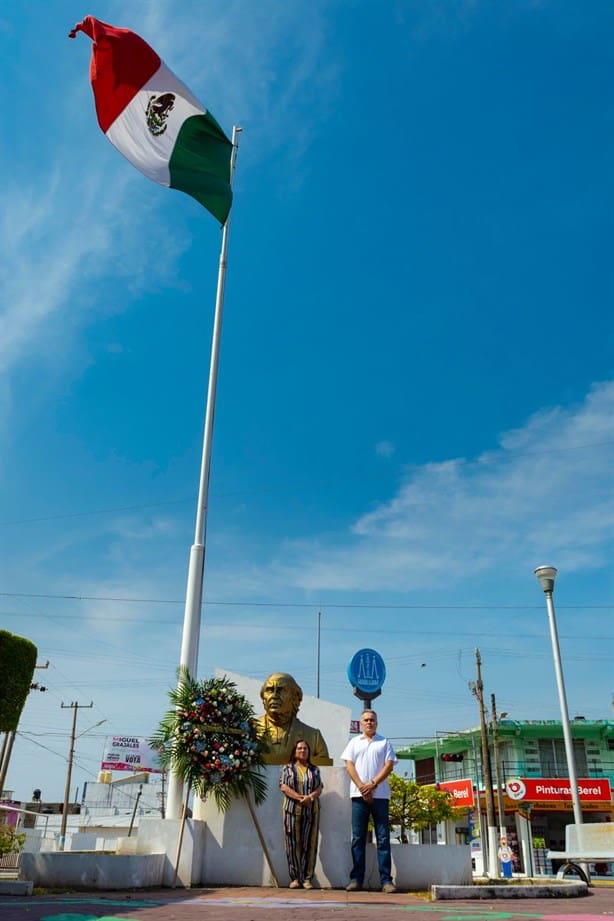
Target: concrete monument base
[
  {"x": 91, "y": 870},
  {"x": 224, "y": 849},
  {"x": 156, "y": 835},
  {"x": 233, "y": 854}
]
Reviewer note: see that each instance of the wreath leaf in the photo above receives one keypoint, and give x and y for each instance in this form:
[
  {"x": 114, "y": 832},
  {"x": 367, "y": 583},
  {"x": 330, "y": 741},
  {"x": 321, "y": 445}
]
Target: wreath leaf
[{"x": 209, "y": 740}]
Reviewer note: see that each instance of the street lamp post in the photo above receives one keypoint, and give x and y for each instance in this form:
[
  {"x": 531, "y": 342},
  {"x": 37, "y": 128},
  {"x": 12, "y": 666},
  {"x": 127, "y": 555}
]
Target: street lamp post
[{"x": 546, "y": 576}]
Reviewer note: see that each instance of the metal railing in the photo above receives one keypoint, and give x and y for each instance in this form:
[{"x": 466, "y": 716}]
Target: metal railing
[
  {"x": 21, "y": 813},
  {"x": 10, "y": 862},
  {"x": 524, "y": 768},
  {"x": 521, "y": 768}
]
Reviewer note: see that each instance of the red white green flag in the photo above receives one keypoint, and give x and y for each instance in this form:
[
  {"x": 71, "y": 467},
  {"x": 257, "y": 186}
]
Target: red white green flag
[{"x": 153, "y": 119}]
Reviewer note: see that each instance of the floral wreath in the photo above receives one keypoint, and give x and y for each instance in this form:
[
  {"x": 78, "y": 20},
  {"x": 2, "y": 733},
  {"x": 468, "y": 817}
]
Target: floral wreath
[{"x": 209, "y": 740}]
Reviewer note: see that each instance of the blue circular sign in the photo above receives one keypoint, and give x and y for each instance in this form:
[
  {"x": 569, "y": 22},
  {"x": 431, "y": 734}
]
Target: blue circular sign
[{"x": 367, "y": 672}]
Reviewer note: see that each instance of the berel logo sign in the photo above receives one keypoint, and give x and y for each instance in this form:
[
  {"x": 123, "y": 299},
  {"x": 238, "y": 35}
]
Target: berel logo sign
[{"x": 461, "y": 791}]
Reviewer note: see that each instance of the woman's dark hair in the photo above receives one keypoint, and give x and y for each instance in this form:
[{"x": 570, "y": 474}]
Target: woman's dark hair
[{"x": 293, "y": 753}]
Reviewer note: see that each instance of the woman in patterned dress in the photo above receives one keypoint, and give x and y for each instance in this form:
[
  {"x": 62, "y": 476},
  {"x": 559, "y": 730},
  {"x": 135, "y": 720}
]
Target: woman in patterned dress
[{"x": 301, "y": 784}]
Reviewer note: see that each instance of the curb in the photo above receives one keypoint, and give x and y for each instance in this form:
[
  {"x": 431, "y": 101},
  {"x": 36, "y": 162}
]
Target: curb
[
  {"x": 548, "y": 891},
  {"x": 16, "y": 887}
]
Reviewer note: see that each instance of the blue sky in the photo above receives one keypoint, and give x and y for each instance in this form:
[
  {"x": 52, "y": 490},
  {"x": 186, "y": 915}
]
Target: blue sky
[{"x": 416, "y": 392}]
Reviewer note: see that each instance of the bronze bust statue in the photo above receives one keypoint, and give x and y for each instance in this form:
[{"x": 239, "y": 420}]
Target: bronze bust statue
[{"x": 281, "y": 727}]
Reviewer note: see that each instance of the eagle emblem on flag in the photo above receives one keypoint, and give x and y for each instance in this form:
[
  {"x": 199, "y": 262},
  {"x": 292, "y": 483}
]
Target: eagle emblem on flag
[{"x": 158, "y": 110}]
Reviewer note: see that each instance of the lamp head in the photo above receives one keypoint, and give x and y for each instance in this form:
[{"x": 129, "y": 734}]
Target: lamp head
[{"x": 546, "y": 576}]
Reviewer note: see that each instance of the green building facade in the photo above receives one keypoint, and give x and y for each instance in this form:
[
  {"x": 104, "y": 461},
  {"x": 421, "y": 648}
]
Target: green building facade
[{"x": 529, "y": 758}]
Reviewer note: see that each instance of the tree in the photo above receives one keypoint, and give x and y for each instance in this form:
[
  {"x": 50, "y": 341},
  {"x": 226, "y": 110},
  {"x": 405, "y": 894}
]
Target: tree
[
  {"x": 11, "y": 841},
  {"x": 17, "y": 661},
  {"x": 417, "y": 806}
]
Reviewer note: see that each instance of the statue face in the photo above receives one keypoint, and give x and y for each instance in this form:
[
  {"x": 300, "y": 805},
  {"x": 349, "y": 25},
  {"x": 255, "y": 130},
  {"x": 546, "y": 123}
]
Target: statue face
[{"x": 279, "y": 696}]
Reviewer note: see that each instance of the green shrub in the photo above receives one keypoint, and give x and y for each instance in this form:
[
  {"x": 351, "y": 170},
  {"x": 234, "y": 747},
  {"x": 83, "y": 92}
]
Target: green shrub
[
  {"x": 11, "y": 841},
  {"x": 17, "y": 663}
]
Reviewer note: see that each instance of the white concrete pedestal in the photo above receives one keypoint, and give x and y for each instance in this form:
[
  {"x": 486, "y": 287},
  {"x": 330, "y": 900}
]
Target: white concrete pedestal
[
  {"x": 233, "y": 852},
  {"x": 161, "y": 835}
]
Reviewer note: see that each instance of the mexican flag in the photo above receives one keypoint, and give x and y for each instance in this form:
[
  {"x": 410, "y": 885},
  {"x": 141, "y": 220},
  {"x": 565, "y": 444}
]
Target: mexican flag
[{"x": 153, "y": 119}]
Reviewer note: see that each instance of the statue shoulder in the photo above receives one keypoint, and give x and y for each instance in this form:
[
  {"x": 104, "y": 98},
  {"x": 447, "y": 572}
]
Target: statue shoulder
[{"x": 317, "y": 743}]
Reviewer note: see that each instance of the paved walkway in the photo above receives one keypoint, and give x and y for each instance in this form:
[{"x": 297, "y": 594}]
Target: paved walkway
[{"x": 238, "y": 904}]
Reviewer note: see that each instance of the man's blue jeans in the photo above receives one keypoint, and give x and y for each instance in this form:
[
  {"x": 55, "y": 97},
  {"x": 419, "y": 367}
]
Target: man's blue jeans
[{"x": 361, "y": 810}]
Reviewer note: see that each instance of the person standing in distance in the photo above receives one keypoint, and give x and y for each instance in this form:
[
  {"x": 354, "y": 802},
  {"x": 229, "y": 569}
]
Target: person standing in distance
[{"x": 369, "y": 759}]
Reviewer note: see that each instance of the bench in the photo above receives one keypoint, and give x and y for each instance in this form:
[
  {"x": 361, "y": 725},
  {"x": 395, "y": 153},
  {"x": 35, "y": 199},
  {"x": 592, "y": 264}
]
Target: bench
[{"x": 584, "y": 844}]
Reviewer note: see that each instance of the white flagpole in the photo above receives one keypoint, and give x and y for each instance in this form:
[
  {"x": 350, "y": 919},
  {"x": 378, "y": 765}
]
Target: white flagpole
[{"x": 196, "y": 566}]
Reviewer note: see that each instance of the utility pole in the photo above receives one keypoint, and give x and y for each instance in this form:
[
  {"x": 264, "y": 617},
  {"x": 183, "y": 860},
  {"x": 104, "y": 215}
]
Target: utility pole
[
  {"x": 75, "y": 707},
  {"x": 9, "y": 740},
  {"x": 5, "y": 756},
  {"x": 5, "y": 742},
  {"x": 495, "y": 742},
  {"x": 493, "y": 864},
  {"x": 476, "y": 767}
]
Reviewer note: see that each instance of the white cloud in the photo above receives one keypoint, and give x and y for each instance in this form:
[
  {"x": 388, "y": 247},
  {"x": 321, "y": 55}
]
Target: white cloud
[
  {"x": 234, "y": 62},
  {"x": 543, "y": 493},
  {"x": 56, "y": 248},
  {"x": 66, "y": 227}
]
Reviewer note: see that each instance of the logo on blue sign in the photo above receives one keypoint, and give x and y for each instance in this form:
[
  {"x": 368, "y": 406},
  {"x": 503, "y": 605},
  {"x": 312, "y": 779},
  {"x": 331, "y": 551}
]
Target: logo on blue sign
[{"x": 366, "y": 671}]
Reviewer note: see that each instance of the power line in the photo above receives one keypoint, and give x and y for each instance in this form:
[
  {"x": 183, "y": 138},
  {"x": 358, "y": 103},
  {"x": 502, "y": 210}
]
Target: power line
[
  {"x": 98, "y": 511},
  {"x": 489, "y": 459},
  {"x": 26, "y": 737},
  {"x": 301, "y": 628},
  {"x": 307, "y": 604}
]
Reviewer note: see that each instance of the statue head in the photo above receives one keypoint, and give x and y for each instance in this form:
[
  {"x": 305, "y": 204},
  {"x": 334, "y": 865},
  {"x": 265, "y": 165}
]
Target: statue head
[{"x": 282, "y": 697}]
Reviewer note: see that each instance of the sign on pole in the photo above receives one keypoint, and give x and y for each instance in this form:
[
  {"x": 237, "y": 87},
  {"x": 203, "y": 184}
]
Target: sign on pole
[
  {"x": 461, "y": 791},
  {"x": 130, "y": 753},
  {"x": 366, "y": 673}
]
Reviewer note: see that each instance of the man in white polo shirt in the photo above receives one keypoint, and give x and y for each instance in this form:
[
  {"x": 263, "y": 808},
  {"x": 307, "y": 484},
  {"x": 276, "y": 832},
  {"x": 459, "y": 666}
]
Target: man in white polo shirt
[{"x": 369, "y": 759}]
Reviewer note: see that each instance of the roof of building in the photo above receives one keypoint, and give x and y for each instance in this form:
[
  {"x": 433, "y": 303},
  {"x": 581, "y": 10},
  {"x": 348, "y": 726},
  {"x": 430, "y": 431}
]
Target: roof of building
[{"x": 460, "y": 741}]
